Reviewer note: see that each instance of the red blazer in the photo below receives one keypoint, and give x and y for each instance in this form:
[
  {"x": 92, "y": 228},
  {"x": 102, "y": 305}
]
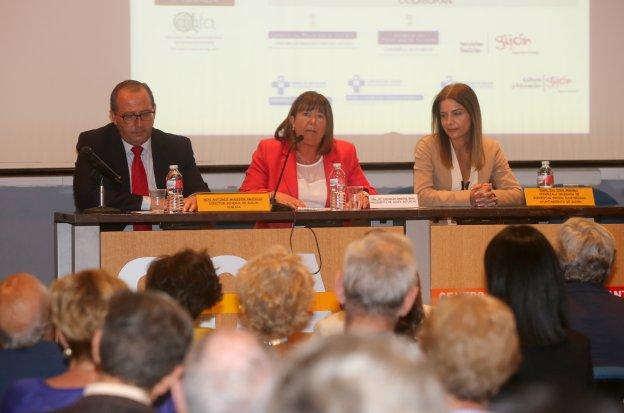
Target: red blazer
[{"x": 268, "y": 159}]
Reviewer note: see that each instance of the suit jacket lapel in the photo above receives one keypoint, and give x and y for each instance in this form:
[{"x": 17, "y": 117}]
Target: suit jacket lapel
[{"x": 118, "y": 159}]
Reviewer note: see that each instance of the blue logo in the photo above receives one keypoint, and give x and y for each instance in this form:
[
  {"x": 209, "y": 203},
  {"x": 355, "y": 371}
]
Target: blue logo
[
  {"x": 447, "y": 81},
  {"x": 280, "y": 84},
  {"x": 356, "y": 83}
]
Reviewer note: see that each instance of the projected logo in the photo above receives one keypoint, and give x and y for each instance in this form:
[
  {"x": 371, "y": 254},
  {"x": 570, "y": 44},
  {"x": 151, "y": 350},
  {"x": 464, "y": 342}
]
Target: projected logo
[
  {"x": 286, "y": 90},
  {"x": 379, "y": 90},
  {"x": 192, "y": 22},
  {"x": 356, "y": 83},
  {"x": 447, "y": 81},
  {"x": 471, "y": 47},
  {"x": 475, "y": 84},
  {"x": 280, "y": 84},
  {"x": 559, "y": 83},
  {"x": 515, "y": 44}
]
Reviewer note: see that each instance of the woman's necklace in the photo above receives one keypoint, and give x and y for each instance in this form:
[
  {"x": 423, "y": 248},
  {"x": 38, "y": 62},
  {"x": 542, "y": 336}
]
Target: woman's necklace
[
  {"x": 306, "y": 162},
  {"x": 276, "y": 341}
]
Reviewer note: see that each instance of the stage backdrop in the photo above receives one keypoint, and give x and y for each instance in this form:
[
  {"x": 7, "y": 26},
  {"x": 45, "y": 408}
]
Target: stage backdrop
[{"x": 224, "y": 72}]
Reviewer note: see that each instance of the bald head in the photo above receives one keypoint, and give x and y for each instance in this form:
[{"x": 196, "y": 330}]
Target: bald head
[
  {"x": 24, "y": 311},
  {"x": 228, "y": 372}
]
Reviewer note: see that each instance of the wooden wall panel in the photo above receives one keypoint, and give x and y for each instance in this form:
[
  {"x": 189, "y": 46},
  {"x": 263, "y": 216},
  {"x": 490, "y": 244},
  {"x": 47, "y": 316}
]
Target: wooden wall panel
[{"x": 457, "y": 253}]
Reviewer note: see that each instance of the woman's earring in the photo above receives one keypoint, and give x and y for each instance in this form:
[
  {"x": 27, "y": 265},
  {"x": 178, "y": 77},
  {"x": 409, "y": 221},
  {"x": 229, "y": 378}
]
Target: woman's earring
[{"x": 67, "y": 352}]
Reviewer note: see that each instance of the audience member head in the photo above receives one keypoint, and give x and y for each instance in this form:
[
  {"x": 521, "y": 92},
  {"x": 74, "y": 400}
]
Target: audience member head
[
  {"x": 132, "y": 111},
  {"x": 143, "y": 341},
  {"x": 473, "y": 346},
  {"x": 308, "y": 102},
  {"x": 228, "y": 371},
  {"x": 523, "y": 270},
  {"x": 24, "y": 311},
  {"x": 79, "y": 305},
  {"x": 586, "y": 250},
  {"x": 467, "y": 99},
  {"x": 189, "y": 277},
  {"x": 275, "y": 291},
  {"x": 350, "y": 373},
  {"x": 379, "y": 279}
]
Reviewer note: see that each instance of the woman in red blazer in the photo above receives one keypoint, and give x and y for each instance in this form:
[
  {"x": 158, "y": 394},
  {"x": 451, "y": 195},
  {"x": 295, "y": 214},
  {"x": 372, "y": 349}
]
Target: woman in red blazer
[{"x": 309, "y": 126}]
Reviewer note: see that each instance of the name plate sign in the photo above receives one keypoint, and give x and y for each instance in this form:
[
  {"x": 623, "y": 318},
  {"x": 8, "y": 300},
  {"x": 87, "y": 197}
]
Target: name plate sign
[
  {"x": 393, "y": 201},
  {"x": 569, "y": 196},
  {"x": 233, "y": 201}
]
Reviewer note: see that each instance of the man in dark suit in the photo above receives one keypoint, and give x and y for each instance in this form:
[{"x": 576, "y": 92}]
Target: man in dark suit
[
  {"x": 139, "y": 351},
  {"x": 132, "y": 114},
  {"x": 587, "y": 253}
]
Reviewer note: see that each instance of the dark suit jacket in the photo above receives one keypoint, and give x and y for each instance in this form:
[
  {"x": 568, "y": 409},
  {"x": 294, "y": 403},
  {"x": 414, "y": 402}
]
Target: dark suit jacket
[
  {"x": 598, "y": 314},
  {"x": 167, "y": 149},
  {"x": 106, "y": 404}
]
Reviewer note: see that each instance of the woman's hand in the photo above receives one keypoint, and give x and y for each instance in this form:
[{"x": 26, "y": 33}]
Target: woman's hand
[
  {"x": 286, "y": 199},
  {"x": 190, "y": 204},
  {"x": 360, "y": 200},
  {"x": 482, "y": 196}
]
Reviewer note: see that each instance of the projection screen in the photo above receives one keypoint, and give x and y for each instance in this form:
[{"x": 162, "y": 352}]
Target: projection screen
[{"x": 224, "y": 72}]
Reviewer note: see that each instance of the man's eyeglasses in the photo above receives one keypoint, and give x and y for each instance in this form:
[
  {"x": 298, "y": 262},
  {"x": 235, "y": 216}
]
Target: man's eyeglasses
[{"x": 144, "y": 116}]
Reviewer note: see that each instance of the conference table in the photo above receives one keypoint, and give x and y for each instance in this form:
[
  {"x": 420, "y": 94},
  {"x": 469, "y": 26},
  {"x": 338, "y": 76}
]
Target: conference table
[{"x": 448, "y": 242}]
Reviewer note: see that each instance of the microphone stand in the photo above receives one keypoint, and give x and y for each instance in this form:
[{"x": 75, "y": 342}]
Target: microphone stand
[
  {"x": 100, "y": 168},
  {"x": 276, "y": 206},
  {"x": 102, "y": 208}
]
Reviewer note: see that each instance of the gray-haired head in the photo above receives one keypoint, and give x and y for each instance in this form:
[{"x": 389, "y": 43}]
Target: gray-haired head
[
  {"x": 586, "y": 251},
  {"x": 228, "y": 371},
  {"x": 378, "y": 272},
  {"x": 348, "y": 373},
  {"x": 24, "y": 311},
  {"x": 145, "y": 337}
]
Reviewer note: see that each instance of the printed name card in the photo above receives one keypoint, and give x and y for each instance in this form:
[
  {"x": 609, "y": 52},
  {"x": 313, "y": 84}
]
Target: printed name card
[
  {"x": 233, "y": 201},
  {"x": 570, "y": 196},
  {"x": 393, "y": 201}
]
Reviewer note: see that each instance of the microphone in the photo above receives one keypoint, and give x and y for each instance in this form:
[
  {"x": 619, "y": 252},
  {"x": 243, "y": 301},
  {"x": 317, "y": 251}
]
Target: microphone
[
  {"x": 276, "y": 206},
  {"x": 101, "y": 166}
]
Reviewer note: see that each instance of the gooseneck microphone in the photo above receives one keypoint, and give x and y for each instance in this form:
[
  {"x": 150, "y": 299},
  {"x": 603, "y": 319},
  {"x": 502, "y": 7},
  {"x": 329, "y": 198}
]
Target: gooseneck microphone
[
  {"x": 104, "y": 170},
  {"x": 101, "y": 166},
  {"x": 276, "y": 206}
]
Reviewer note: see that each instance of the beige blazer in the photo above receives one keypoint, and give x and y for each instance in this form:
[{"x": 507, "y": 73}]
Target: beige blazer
[{"x": 432, "y": 180}]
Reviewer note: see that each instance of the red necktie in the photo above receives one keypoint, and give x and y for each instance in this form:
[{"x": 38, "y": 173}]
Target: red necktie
[{"x": 139, "y": 182}]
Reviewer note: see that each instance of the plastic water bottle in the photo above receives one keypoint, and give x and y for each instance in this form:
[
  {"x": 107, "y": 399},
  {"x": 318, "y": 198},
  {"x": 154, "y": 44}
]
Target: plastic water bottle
[
  {"x": 337, "y": 188},
  {"x": 545, "y": 176},
  {"x": 175, "y": 190}
]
